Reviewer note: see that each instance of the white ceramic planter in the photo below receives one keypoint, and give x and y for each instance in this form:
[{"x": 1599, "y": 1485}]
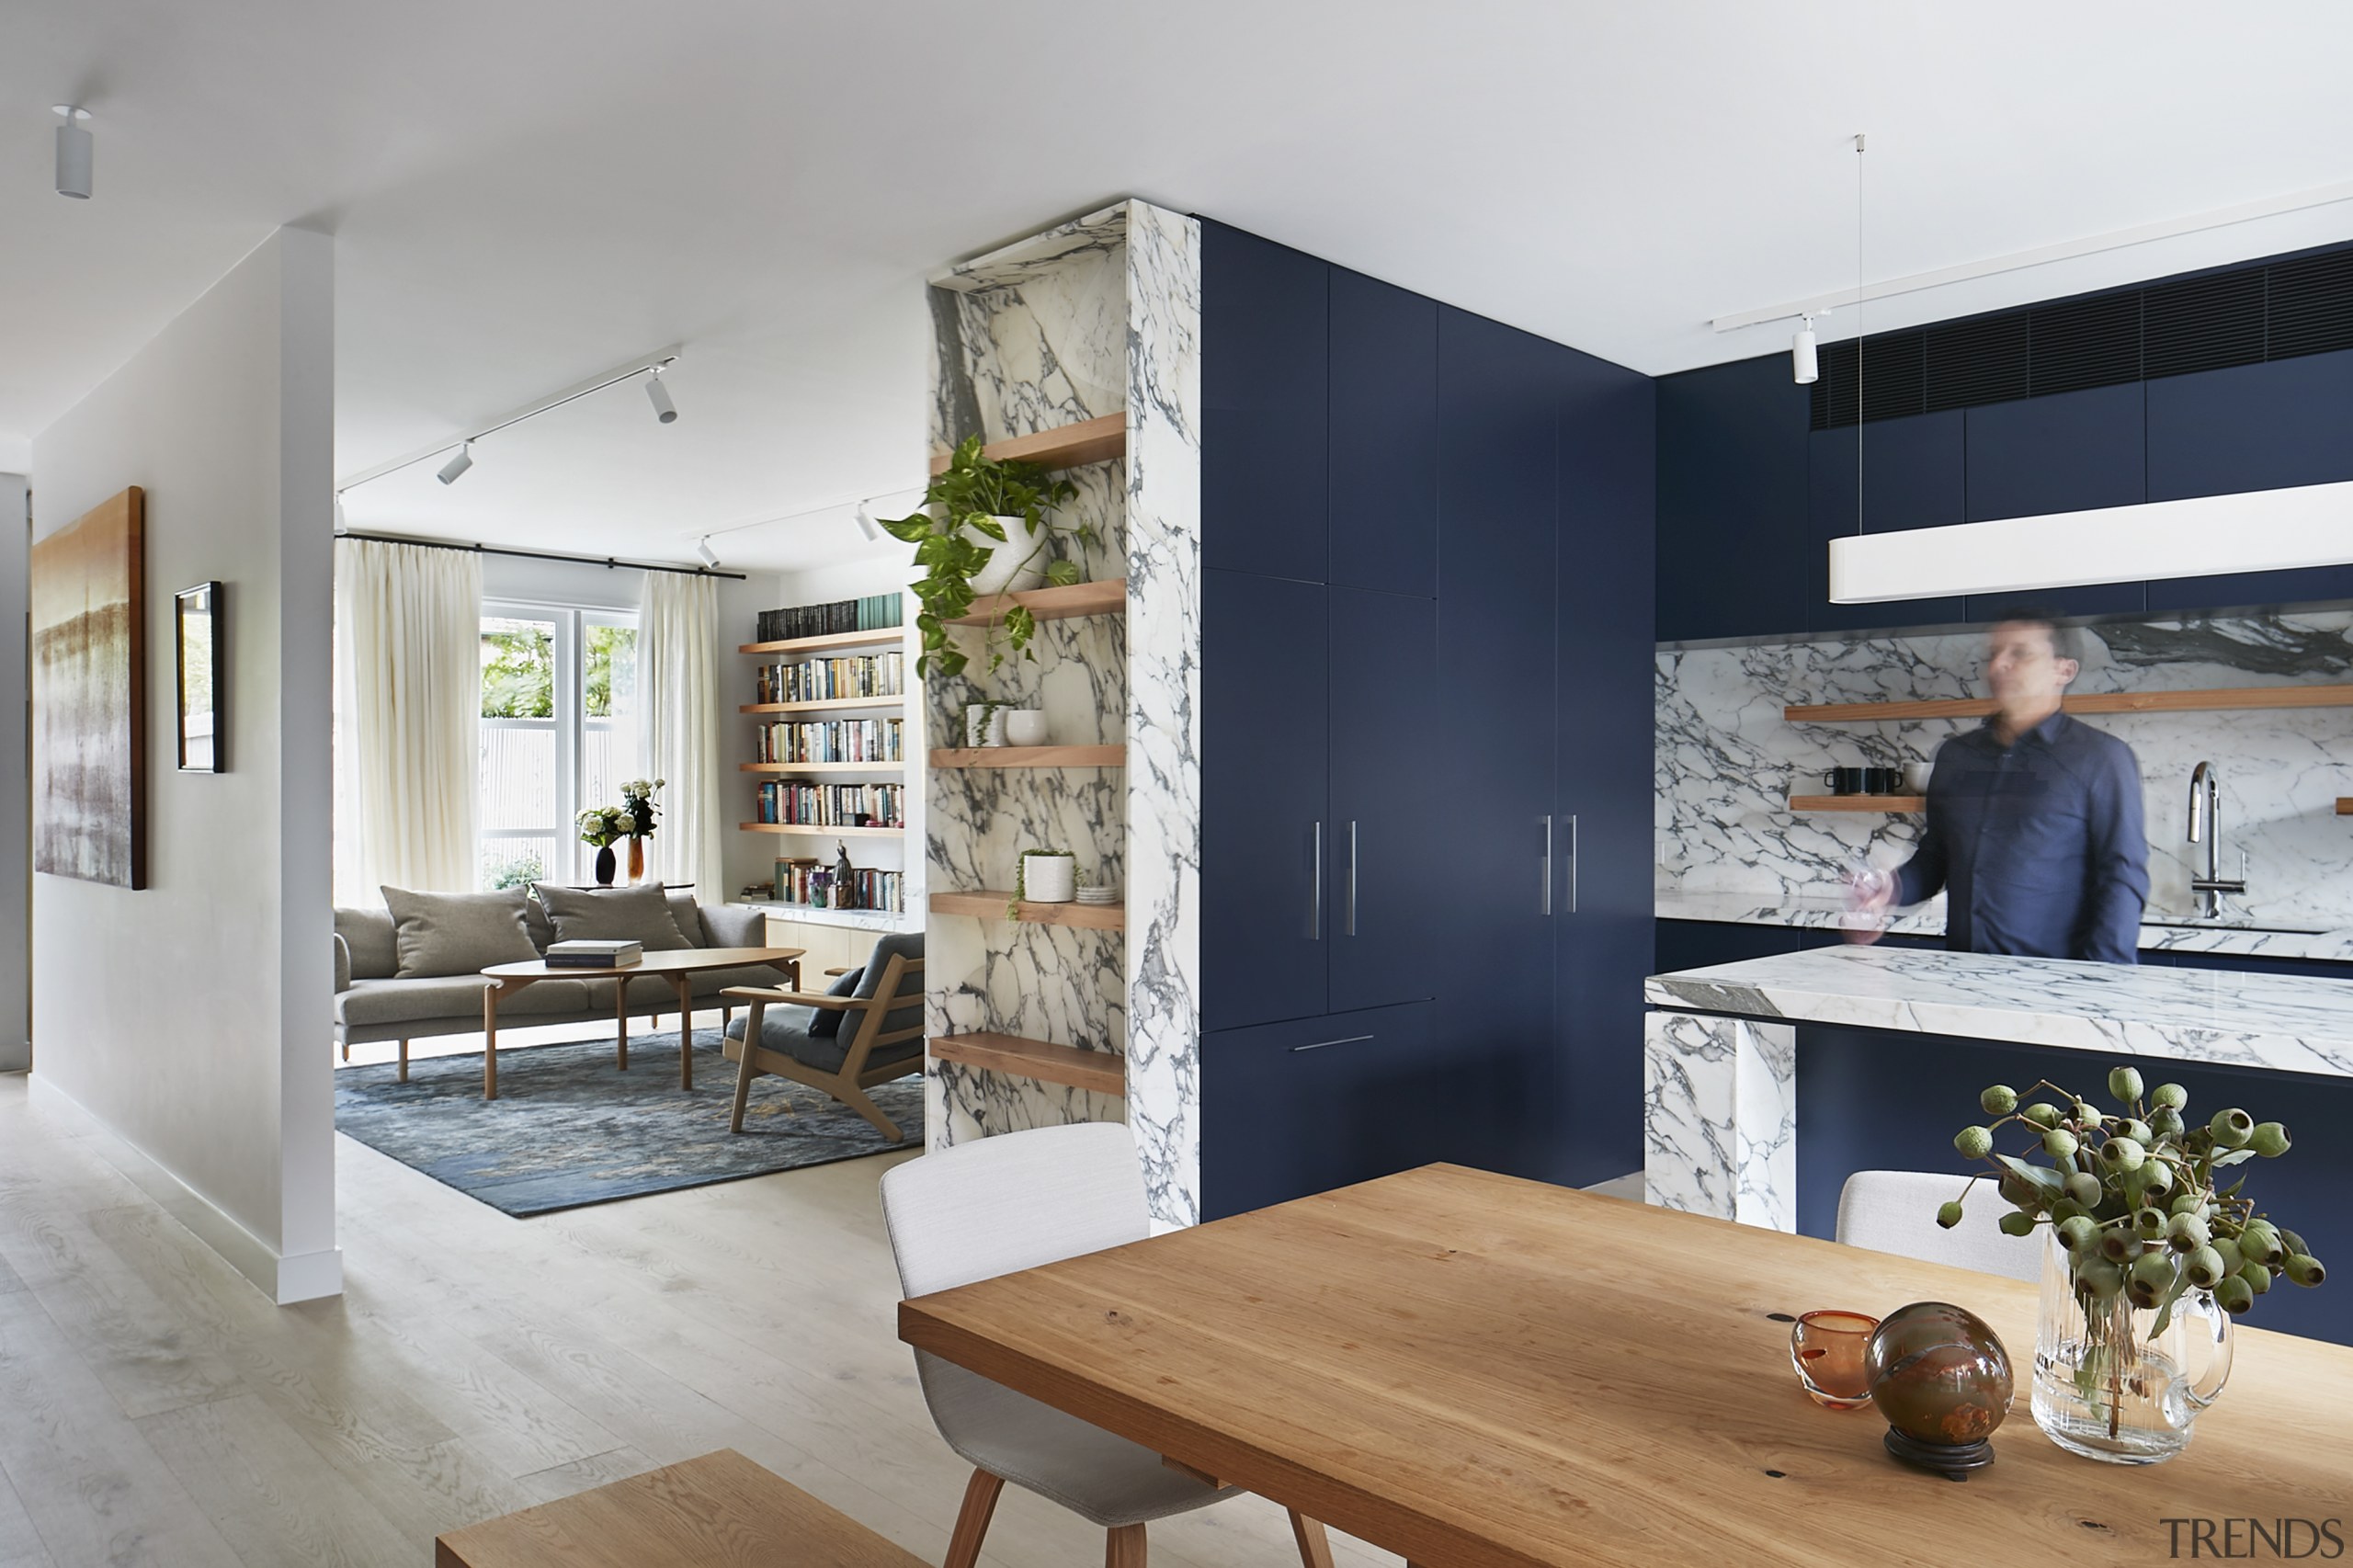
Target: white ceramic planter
[
  {"x": 1025, "y": 727},
  {"x": 1049, "y": 878},
  {"x": 984, "y": 727},
  {"x": 1017, "y": 564}
]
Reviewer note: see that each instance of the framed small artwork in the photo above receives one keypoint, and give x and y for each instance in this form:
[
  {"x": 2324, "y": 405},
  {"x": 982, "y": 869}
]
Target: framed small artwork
[
  {"x": 90, "y": 693},
  {"x": 196, "y": 623}
]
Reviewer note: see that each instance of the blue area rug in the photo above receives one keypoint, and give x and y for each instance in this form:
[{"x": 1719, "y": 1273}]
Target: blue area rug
[{"x": 569, "y": 1130}]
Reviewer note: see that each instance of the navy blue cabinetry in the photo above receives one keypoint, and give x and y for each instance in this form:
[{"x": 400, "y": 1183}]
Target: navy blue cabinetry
[
  {"x": 1911, "y": 477},
  {"x": 1265, "y": 793},
  {"x": 2069, "y": 452},
  {"x": 1384, "y": 485},
  {"x": 1732, "y": 502},
  {"x": 2252, "y": 427},
  {"x": 1383, "y": 862},
  {"x": 1264, "y": 364}
]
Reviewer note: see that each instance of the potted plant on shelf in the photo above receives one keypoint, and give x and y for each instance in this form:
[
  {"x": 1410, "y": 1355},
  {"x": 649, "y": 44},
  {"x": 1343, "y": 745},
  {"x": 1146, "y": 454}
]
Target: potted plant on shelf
[
  {"x": 2148, "y": 1256},
  {"x": 602, "y": 827},
  {"x": 1043, "y": 876},
  {"x": 985, "y": 528}
]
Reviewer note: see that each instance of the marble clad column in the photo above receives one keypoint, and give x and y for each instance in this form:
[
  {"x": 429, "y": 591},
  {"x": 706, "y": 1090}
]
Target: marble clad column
[{"x": 1719, "y": 1117}]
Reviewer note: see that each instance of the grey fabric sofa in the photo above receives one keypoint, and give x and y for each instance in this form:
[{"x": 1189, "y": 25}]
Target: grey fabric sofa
[{"x": 373, "y": 1003}]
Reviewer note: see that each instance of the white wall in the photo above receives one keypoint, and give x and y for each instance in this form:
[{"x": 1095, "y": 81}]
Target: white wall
[
  {"x": 16, "y": 906},
  {"x": 194, "y": 1019}
]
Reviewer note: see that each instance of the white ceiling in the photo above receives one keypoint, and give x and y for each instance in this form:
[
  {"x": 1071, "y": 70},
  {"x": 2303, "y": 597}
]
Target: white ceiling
[{"x": 529, "y": 192}]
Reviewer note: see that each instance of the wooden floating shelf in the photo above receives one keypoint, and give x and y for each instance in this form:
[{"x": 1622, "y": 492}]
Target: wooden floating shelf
[
  {"x": 1894, "y": 804},
  {"x": 824, "y": 704},
  {"x": 803, "y": 827},
  {"x": 821, "y": 766},
  {"x": 1106, "y": 597},
  {"x": 1089, "y": 441},
  {"x": 990, "y": 904},
  {"x": 874, "y": 639},
  {"x": 2213, "y": 699},
  {"x": 1097, "y": 1071},
  {"x": 1031, "y": 756},
  {"x": 2345, "y": 805}
]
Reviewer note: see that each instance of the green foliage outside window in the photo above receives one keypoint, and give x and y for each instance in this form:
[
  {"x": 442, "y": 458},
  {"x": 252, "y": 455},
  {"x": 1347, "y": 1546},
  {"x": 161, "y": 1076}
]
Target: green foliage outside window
[{"x": 517, "y": 669}]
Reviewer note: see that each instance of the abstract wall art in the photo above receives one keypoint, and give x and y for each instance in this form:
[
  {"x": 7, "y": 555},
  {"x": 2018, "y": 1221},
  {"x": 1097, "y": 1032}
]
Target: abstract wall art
[{"x": 89, "y": 692}]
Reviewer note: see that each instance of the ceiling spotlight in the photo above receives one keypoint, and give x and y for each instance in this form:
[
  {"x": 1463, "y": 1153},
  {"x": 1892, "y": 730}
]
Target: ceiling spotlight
[
  {"x": 73, "y": 153},
  {"x": 709, "y": 556},
  {"x": 457, "y": 465},
  {"x": 1804, "y": 369},
  {"x": 659, "y": 395},
  {"x": 866, "y": 524}
]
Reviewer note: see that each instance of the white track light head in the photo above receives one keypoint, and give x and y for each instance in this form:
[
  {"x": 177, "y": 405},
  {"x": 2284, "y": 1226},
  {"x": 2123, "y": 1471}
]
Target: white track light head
[
  {"x": 866, "y": 524},
  {"x": 73, "y": 153},
  {"x": 709, "y": 556},
  {"x": 1803, "y": 368},
  {"x": 659, "y": 395},
  {"x": 457, "y": 466}
]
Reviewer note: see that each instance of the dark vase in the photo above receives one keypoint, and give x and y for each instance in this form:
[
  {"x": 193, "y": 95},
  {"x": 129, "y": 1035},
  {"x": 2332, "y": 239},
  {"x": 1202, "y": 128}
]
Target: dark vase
[{"x": 605, "y": 866}]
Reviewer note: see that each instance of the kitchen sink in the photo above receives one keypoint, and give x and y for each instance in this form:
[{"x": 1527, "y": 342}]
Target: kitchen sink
[{"x": 2236, "y": 926}]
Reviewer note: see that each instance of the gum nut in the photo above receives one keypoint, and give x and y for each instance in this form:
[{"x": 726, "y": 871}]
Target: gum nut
[
  {"x": 2257, "y": 1277},
  {"x": 2304, "y": 1269},
  {"x": 2084, "y": 1187},
  {"x": 2149, "y": 1224},
  {"x": 2204, "y": 1265},
  {"x": 2078, "y": 1233},
  {"x": 2187, "y": 1232},
  {"x": 2087, "y": 1115},
  {"x": 2155, "y": 1178},
  {"x": 1948, "y": 1213},
  {"x": 2138, "y": 1132},
  {"x": 2234, "y": 1295},
  {"x": 2059, "y": 1144},
  {"x": 2152, "y": 1268},
  {"x": 2017, "y": 1222},
  {"x": 2166, "y": 1122},
  {"x": 2123, "y": 1153},
  {"x": 2063, "y": 1210},
  {"x": 2187, "y": 1203},
  {"x": 2102, "y": 1280},
  {"x": 2232, "y": 1128},
  {"x": 2172, "y": 1096},
  {"x": 2141, "y": 1295},
  {"x": 2269, "y": 1139},
  {"x": 2260, "y": 1240},
  {"x": 1999, "y": 1100},
  {"x": 2042, "y": 1113},
  {"x": 2293, "y": 1241},
  {"x": 2124, "y": 1083},
  {"x": 2117, "y": 1244},
  {"x": 1974, "y": 1143},
  {"x": 2233, "y": 1259}
]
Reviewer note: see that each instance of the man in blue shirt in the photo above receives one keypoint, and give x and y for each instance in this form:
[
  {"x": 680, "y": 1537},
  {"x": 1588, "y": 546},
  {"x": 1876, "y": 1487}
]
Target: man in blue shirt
[{"x": 2034, "y": 824}]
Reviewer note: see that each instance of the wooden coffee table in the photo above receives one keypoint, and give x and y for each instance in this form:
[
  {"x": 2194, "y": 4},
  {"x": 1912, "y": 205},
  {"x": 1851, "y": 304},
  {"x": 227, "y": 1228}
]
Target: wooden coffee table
[
  {"x": 720, "y": 1508},
  {"x": 681, "y": 966}
]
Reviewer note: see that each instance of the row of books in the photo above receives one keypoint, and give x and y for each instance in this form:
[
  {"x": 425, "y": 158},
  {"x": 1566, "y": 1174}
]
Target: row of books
[
  {"x": 595, "y": 953},
  {"x": 831, "y": 740},
  {"x": 822, "y": 680},
  {"x": 812, "y": 884},
  {"x": 868, "y": 614},
  {"x": 834, "y": 805}
]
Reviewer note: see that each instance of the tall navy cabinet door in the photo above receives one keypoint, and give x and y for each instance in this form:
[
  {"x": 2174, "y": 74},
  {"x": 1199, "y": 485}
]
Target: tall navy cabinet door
[
  {"x": 1732, "y": 502},
  {"x": 1264, "y": 364},
  {"x": 2068, "y": 452},
  {"x": 1383, "y": 505},
  {"x": 1382, "y": 878},
  {"x": 1490, "y": 763},
  {"x": 1264, "y": 784},
  {"x": 1606, "y": 730}
]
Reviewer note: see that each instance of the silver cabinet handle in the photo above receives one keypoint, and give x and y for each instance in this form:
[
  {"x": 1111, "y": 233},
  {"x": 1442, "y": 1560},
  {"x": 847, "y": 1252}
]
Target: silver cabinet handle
[
  {"x": 1573, "y": 863},
  {"x": 1352, "y": 878},
  {"x": 1345, "y": 1039},
  {"x": 1547, "y": 901},
  {"x": 1315, "y": 892}
]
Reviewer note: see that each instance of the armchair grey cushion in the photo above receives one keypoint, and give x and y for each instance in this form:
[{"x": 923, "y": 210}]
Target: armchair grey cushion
[
  {"x": 789, "y": 1030},
  {"x": 640, "y": 915},
  {"x": 828, "y": 1021},
  {"x": 458, "y": 933},
  {"x": 910, "y": 945},
  {"x": 375, "y": 953}
]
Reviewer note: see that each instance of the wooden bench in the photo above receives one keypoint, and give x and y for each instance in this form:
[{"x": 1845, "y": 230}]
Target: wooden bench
[{"x": 719, "y": 1511}]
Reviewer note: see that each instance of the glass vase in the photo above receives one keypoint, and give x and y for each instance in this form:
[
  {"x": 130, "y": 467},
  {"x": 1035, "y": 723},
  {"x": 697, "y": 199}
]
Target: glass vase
[
  {"x": 2107, "y": 1384},
  {"x": 636, "y": 859}
]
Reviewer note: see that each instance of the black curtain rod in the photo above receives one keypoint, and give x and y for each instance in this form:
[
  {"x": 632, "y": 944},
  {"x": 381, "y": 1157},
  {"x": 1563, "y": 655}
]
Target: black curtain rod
[{"x": 606, "y": 561}]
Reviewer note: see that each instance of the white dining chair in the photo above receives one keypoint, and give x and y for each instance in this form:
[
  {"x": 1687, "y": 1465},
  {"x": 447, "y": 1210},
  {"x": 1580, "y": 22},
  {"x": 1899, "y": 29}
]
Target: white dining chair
[
  {"x": 1896, "y": 1211},
  {"x": 1015, "y": 1202}
]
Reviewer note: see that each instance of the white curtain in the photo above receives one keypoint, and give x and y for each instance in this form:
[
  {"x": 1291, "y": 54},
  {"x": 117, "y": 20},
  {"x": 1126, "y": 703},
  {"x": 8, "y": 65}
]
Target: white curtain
[
  {"x": 678, "y": 700},
  {"x": 408, "y": 664}
]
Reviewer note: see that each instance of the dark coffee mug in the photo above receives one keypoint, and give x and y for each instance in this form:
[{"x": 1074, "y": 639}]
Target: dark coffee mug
[
  {"x": 1883, "y": 780},
  {"x": 1843, "y": 780}
]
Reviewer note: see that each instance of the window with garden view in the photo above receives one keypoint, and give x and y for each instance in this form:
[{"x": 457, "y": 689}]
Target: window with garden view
[{"x": 559, "y": 733}]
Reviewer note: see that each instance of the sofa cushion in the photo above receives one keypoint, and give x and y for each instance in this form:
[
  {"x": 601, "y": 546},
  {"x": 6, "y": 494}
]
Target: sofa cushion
[
  {"x": 375, "y": 951},
  {"x": 686, "y": 915},
  {"x": 342, "y": 963},
  {"x": 640, "y": 915},
  {"x": 733, "y": 926},
  {"x": 458, "y": 933},
  {"x": 455, "y": 996},
  {"x": 828, "y": 1021},
  {"x": 536, "y": 921}
]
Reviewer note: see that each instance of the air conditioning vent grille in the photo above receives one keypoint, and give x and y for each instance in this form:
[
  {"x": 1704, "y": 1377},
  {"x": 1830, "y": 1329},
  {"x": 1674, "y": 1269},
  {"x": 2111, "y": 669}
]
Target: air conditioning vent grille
[
  {"x": 2202, "y": 323},
  {"x": 2311, "y": 305},
  {"x": 2084, "y": 342}
]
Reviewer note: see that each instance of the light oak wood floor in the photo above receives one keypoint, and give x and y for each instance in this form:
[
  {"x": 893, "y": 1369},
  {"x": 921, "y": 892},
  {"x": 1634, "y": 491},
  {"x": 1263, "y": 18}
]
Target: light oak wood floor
[{"x": 154, "y": 1408}]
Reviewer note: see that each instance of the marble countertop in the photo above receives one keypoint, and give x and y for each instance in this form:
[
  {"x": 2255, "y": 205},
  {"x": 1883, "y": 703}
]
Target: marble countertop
[
  {"x": 2286, "y": 1023},
  {"x": 2245, "y": 934}
]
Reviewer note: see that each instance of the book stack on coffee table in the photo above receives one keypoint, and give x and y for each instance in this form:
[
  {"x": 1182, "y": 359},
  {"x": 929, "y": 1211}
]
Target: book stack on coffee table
[{"x": 618, "y": 953}]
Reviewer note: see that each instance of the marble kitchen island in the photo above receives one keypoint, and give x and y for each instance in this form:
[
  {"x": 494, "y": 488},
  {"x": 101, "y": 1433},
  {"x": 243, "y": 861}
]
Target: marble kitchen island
[{"x": 1891, "y": 1045}]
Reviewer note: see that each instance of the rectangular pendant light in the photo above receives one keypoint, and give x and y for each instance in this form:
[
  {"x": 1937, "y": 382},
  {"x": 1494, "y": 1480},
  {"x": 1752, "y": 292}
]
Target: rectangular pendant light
[{"x": 2257, "y": 530}]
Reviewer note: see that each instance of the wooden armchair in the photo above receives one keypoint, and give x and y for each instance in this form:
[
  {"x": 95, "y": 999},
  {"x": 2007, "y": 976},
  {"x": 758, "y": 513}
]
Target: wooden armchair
[{"x": 871, "y": 1046}]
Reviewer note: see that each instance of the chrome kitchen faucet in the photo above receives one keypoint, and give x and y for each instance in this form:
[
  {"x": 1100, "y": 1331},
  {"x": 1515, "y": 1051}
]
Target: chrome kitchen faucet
[{"x": 2206, "y": 827}]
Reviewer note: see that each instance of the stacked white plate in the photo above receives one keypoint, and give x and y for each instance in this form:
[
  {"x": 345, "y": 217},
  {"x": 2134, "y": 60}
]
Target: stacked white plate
[{"x": 1093, "y": 894}]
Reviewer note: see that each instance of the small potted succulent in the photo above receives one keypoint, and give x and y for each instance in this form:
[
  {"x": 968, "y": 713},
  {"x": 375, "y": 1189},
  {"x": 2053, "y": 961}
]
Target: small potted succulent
[
  {"x": 1043, "y": 876},
  {"x": 2151, "y": 1248}
]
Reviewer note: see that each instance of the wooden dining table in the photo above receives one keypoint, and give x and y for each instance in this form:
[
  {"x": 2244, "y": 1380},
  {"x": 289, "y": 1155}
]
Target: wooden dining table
[{"x": 1471, "y": 1369}]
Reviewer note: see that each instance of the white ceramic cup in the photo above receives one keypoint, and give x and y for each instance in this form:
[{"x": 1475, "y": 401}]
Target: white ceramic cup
[
  {"x": 1915, "y": 776},
  {"x": 1025, "y": 727}
]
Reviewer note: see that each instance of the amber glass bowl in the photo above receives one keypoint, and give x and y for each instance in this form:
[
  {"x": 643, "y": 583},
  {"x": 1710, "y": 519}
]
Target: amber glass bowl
[{"x": 1828, "y": 1348}]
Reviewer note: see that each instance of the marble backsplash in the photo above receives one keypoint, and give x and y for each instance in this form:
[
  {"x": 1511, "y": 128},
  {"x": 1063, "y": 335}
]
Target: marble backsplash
[{"x": 1727, "y": 761}]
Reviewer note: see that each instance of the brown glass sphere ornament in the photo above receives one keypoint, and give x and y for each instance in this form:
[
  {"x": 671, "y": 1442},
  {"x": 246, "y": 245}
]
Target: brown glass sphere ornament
[{"x": 1940, "y": 1377}]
